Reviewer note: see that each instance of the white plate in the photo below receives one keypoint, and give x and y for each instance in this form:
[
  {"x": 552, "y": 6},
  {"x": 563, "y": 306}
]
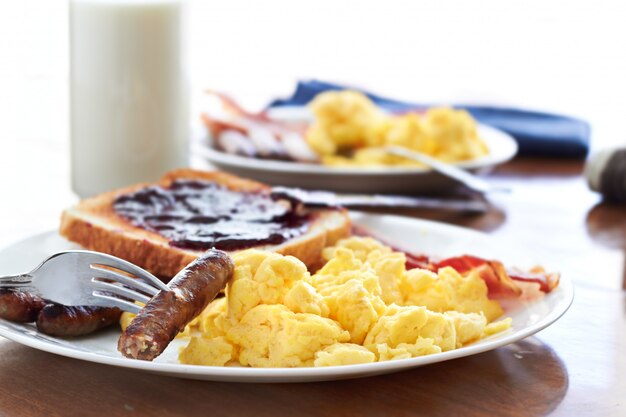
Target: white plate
[
  {"x": 401, "y": 180},
  {"x": 422, "y": 236}
]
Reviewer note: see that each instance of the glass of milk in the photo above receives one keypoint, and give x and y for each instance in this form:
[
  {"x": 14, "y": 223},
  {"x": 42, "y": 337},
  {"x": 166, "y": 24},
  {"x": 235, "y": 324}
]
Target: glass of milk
[{"x": 129, "y": 111}]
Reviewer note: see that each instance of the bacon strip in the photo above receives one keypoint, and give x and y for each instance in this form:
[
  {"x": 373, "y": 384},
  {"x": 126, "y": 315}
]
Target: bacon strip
[
  {"x": 494, "y": 274},
  {"x": 500, "y": 281},
  {"x": 267, "y": 138},
  {"x": 547, "y": 280}
]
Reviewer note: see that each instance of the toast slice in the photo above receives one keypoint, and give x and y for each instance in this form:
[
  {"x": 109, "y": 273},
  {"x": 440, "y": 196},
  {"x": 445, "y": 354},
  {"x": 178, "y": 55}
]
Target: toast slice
[{"x": 95, "y": 225}]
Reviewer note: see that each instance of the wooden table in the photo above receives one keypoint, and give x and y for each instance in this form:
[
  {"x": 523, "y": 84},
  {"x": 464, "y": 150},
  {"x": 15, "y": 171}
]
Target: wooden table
[{"x": 572, "y": 368}]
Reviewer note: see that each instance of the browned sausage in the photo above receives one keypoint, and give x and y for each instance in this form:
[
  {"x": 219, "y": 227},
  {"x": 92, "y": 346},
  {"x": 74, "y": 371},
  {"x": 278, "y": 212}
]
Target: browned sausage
[
  {"x": 54, "y": 319},
  {"x": 18, "y": 306},
  {"x": 60, "y": 320},
  {"x": 168, "y": 312}
]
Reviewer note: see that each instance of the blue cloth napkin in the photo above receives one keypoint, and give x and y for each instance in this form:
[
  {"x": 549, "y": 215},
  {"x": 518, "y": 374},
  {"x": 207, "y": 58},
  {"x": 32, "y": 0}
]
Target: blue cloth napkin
[{"x": 537, "y": 133}]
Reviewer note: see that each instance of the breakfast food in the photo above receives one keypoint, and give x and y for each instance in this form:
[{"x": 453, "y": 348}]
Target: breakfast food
[
  {"x": 357, "y": 300},
  {"x": 68, "y": 321},
  {"x": 362, "y": 306},
  {"x": 20, "y": 306},
  {"x": 501, "y": 282},
  {"x": 347, "y": 130},
  {"x": 163, "y": 227},
  {"x": 237, "y": 131},
  {"x": 55, "y": 319},
  {"x": 168, "y": 312}
]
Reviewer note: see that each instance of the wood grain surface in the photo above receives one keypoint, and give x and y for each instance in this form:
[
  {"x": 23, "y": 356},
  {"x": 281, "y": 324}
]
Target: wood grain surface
[{"x": 573, "y": 368}]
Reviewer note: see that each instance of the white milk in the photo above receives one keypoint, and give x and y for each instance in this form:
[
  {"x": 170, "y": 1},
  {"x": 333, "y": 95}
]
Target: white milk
[{"x": 128, "y": 92}]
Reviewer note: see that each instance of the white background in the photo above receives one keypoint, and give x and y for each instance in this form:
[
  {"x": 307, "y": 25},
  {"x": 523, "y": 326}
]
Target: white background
[{"x": 561, "y": 56}]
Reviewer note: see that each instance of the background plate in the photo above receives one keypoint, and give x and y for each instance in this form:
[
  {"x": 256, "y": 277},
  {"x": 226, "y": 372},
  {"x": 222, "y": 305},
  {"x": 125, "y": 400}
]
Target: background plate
[
  {"x": 427, "y": 237},
  {"x": 353, "y": 180}
]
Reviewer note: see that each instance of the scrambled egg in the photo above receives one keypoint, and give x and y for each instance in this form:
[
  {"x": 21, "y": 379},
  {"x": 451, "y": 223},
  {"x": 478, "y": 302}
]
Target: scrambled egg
[
  {"x": 343, "y": 119},
  {"x": 362, "y": 306},
  {"x": 349, "y": 130}
]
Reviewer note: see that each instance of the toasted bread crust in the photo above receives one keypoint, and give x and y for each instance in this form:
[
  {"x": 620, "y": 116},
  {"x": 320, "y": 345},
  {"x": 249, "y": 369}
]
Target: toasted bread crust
[{"x": 94, "y": 224}]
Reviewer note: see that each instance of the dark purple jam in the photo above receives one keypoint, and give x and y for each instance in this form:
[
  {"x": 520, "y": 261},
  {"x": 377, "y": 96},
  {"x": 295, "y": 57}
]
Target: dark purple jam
[{"x": 201, "y": 215}]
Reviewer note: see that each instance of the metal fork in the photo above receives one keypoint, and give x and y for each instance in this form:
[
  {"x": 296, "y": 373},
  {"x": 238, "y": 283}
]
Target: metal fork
[
  {"x": 86, "y": 278},
  {"x": 466, "y": 178}
]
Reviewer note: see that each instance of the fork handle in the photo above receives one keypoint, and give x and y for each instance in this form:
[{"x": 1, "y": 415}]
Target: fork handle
[
  {"x": 20, "y": 280},
  {"x": 466, "y": 178}
]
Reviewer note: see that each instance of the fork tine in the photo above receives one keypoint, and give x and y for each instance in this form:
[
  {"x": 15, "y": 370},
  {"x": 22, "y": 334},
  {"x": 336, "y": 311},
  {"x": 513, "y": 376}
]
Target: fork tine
[
  {"x": 140, "y": 273},
  {"x": 117, "y": 302},
  {"x": 133, "y": 283},
  {"x": 119, "y": 291},
  {"x": 127, "y": 267},
  {"x": 117, "y": 263}
]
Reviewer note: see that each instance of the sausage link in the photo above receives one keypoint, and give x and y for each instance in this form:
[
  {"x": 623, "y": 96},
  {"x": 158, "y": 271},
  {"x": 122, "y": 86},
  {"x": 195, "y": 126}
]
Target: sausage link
[
  {"x": 66, "y": 321},
  {"x": 168, "y": 312},
  {"x": 21, "y": 307}
]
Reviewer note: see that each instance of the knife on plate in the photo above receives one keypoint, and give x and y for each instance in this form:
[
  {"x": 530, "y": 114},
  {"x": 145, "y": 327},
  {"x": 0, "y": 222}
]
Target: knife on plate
[{"x": 319, "y": 199}]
